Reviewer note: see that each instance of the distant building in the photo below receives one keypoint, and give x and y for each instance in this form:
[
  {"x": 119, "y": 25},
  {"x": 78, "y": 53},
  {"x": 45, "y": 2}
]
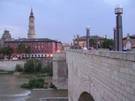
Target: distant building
[
  {"x": 36, "y": 47},
  {"x": 94, "y": 41},
  {"x": 5, "y": 37},
  {"x": 40, "y": 47},
  {"x": 129, "y": 42}
]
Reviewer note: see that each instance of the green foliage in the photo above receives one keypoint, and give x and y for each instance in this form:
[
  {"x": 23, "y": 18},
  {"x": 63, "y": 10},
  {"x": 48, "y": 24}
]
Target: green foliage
[
  {"x": 19, "y": 68},
  {"x": 32, "y": 66},
  {"x": 7, "y": 51},
  {"x": 47, "y": 69},
  {"x": 28, "y": 50},
  {"x": 35, "y": 66},
  {"x": 93, "y": 43},
  {"x": 25, "y": 85},
  {"x": 34, "y": 83},
  {"x": 107, "y": 43},
  {"x": 21, "y": 48}
]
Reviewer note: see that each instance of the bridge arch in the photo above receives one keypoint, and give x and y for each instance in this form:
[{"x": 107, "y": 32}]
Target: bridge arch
[{"x": 86, "y": 97}]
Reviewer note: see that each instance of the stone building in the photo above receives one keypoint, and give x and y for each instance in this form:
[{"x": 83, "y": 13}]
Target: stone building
[
  {"x": 94, "y": 41},
  {"x": 129, "y": 42},
  {"x": 5, "y": 37}
]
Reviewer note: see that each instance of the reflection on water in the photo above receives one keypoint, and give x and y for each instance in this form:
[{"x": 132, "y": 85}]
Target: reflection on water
[{"x": 10, "y": 89}]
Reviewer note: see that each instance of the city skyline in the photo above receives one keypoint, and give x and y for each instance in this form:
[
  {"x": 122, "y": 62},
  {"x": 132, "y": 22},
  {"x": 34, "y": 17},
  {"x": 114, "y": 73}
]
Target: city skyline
[{"x": 63, "y": 19}]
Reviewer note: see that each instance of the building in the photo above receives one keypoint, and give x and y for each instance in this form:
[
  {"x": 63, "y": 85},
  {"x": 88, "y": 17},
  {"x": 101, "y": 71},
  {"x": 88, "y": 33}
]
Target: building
[
  {"x": 94, "y": 41},
  {"x": 32, "y": 47},
  {"x": 5, "y": 37},
  {"x": 39, "y": 47},
  {"x": 129, "y": 42}
]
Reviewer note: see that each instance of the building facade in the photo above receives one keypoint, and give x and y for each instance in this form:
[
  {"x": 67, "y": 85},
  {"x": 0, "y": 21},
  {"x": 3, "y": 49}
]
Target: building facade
[
  {"x": 94, "y": 41},
  {"x": 31, "y": 47},
  {"x": 41, "y": 47},
  {"x": 129, "y": 42}
]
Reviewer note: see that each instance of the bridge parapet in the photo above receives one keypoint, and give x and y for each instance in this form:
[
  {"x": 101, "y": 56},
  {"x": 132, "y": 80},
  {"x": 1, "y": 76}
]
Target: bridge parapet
[
  {"x": 106, "y": 75},
  {"x": 129, "y": 56}
]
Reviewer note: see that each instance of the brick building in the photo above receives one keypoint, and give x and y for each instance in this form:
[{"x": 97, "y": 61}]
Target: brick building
[
  {"x": 39, "y": 47},
  {"x": 36, "y": 47}
]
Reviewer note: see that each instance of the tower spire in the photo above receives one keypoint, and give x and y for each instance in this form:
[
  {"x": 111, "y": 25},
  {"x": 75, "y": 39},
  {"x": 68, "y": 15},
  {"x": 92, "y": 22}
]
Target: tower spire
[
  {"x": 31, "y": 30},
  {"x": 31, "y": 13}
]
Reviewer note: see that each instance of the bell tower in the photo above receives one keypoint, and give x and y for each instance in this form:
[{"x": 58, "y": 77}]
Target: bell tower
[{"x": 31, "y": 30}]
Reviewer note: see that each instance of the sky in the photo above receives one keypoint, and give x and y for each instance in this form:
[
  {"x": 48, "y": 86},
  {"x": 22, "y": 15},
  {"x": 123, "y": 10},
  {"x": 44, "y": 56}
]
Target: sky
[{"x": 62, "y": 19}]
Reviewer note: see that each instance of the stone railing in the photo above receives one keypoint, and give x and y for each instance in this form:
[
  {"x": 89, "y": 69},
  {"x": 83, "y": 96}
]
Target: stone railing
[{"x": 129, "y": 56}]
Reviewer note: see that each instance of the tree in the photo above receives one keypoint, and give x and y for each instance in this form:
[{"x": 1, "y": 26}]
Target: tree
[
  {"x": 32, "y": 66},
  {"x": 93, "y": 43},
  {"x": 48, "y": 69},
  {"x": 7, "y": 51},
  {"x": 21, "y": 48},
  {"x": 107, "y": 43},
  {"x": 28, "y": 50}
]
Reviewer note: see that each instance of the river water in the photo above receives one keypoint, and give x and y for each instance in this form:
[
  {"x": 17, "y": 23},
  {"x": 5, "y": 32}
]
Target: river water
[{"x": 10, "y": 90}]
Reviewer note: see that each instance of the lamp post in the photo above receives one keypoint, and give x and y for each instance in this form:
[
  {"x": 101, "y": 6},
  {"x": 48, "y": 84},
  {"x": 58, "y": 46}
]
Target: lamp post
[{"x": 119, "y": 30}]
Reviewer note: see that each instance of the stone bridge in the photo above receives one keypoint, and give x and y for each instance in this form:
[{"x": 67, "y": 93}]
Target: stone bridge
[{"x": 101, "y": 75}]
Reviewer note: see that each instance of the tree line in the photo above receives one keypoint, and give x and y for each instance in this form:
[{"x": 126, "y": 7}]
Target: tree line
[{"x": 7, "y": 51}]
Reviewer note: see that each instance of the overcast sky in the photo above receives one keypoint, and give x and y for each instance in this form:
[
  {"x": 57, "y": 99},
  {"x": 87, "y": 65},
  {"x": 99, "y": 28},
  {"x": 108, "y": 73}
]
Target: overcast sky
[{"x": 62, "y": 19}]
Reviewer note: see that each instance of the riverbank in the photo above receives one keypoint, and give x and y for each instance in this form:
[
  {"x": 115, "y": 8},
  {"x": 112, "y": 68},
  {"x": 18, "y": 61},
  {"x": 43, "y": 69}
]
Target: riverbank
[{"x": 10, "y": 90}]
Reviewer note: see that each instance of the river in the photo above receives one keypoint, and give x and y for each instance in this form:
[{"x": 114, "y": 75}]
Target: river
[{"x": 10, "y": 91}]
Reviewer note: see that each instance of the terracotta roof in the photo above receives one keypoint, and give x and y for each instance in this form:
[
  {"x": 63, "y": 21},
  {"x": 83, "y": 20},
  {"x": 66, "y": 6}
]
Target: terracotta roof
[{"x": 33, "y": 40}]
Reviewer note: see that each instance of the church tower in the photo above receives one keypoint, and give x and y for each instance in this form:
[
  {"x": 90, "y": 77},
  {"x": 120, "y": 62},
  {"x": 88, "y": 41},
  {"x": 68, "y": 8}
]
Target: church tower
[{"x": 31, "y": 30}]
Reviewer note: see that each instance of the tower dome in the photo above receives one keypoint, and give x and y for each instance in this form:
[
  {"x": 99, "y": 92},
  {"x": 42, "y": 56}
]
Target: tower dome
[{"x": 6, "y": 36}]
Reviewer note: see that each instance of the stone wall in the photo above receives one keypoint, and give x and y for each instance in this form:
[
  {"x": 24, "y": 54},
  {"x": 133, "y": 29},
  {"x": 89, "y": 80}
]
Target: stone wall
[
  {"x": 107, "y": 76},
  {"x": 10, "y": 65},
  {"x": 60, "y": 71}
]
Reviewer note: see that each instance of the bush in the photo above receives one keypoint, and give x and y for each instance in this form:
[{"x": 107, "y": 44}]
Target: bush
[
  {"x": 25, "y": 85},
  {"x": 34, "y": 83},
  {"x": 19, "y": 68},
  {"x": 47, "y": 69},
  {"x": 32, "y": 66}
]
